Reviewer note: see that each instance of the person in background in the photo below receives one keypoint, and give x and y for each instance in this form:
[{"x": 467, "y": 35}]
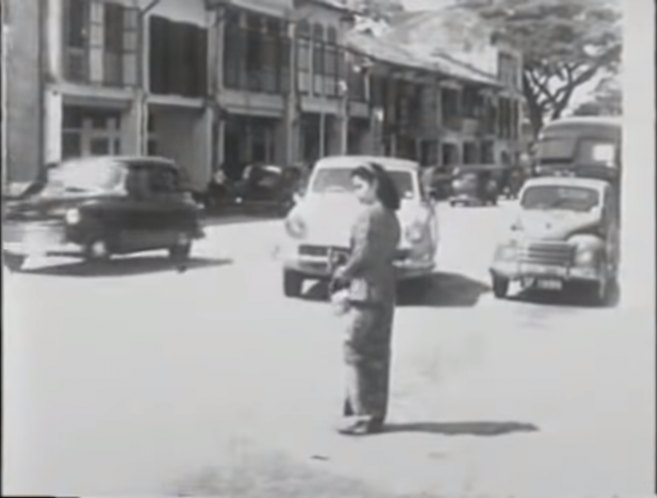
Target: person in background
[{"x": 369, "y": 274}]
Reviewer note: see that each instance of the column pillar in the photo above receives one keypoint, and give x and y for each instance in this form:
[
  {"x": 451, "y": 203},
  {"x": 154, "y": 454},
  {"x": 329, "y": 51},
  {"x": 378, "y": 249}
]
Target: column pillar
[{"x": 53, "y": 113}]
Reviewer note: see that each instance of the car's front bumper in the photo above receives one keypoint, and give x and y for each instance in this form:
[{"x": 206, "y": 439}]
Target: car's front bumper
[
  {"x": 513, "y": 270},
  {"x": 38, "y": 239},
  {"x": 320, "y": 267}
]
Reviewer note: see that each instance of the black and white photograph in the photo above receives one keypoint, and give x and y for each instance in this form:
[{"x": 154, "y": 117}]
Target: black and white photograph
[{"x": 328, "y": 248}]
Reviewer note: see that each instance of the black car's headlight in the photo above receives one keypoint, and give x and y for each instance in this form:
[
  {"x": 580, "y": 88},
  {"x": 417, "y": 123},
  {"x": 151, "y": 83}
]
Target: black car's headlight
[{"x": 73, "y": 216}]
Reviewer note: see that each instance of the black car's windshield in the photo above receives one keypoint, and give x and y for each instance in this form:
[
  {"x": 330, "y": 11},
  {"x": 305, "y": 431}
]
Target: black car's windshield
[
  {"x": 84, "y": 176},
  {"x": 339, "y": 180},
  {"x": 560, "y": 197}
]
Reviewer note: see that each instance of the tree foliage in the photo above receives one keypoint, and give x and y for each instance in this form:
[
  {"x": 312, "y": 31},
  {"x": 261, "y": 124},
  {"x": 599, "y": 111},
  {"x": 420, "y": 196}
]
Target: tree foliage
[
  {"x": 565, "y": 44},
  {"x": 607, "y": 101}
]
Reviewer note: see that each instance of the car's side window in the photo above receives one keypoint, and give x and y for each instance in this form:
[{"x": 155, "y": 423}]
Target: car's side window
[
  {"x": 164, "y": 181},
  {"x": 137, "y": 183}
]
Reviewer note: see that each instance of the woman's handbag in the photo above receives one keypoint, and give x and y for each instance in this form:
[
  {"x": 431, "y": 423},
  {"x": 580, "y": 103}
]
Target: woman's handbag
[{"x": 340, "y": 297}]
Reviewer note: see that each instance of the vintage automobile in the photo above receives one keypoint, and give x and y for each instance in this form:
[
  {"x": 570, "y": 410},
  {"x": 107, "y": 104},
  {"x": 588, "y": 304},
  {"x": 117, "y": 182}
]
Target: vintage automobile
[
  {"x": 268, "y": 187},
  {"x": 96, "y": 207},
  {"x": 318, "y": 227},
  {"x": 566, "y": 232},
  {"x": 474, "y": 185}
]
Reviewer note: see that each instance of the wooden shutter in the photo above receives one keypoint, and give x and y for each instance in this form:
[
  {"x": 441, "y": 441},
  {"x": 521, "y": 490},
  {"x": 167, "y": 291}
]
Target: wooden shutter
[
  {"x": 159, "y": 29},
  {"x": 130, "y": 45},
  {"x": 96, "y": 43}
]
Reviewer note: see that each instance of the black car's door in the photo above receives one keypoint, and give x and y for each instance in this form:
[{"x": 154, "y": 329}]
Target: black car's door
[{"x": 134, "y": 231}]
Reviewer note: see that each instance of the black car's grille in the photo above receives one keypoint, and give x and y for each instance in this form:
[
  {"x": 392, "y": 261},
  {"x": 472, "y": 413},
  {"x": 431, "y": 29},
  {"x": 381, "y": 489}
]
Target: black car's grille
[{"x": 547, "y": 253}]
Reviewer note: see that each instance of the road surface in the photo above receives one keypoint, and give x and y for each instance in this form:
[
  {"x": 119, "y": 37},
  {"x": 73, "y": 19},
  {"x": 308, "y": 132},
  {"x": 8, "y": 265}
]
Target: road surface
[{"x": 137, "y": 379}]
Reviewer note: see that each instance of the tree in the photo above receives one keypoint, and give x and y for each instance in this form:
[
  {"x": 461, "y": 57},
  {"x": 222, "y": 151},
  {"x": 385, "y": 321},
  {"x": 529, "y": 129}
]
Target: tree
[
  {"x": 607, "y": 100},
  {"x": 565, "y": 43}
]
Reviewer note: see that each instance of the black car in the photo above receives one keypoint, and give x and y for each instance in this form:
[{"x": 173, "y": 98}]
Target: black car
[
  {"x": 96, "y": 207},
  {"x": 268, "y": 187}
]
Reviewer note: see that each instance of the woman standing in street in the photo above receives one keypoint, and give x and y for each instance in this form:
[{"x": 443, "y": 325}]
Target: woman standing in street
[{"x": 370, "y": 277}]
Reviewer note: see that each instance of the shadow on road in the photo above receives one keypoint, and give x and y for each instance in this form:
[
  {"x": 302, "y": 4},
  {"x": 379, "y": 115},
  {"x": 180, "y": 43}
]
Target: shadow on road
[
  {"x": 237, "y": 218},
  {"x": 442, "y": 290},
  {"x": 463, "y": 428},
  {"x": 121, "y": 267},
  {"x": 439, "y": 290}
]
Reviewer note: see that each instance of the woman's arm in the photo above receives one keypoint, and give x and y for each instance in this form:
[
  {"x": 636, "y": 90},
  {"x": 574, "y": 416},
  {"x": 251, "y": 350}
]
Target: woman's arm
[{"x": 362, "y": 248}]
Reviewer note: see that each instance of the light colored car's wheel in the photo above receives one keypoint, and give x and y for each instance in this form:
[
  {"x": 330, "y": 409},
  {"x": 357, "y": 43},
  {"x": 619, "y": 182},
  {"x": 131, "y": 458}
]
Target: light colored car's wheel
[
  {"x": 97, "y": 250},
  {"x": 292, "y": 283},
  {"x": 500, "y": 286},
  {"x": 14, "y": 261},
  {"x": 601, "y": 291}
]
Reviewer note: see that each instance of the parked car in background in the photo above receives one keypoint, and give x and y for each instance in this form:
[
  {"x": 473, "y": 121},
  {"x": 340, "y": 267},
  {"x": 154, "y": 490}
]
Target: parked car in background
[
  {"x": 475, "y": 185},
  {"x": 268, "y": 187},
  {"x": 96, "y": 207},
  {"x": 437, "y": 182},
  {"x": 566, "y": 232},
  {"x": 318, "y": 227}
]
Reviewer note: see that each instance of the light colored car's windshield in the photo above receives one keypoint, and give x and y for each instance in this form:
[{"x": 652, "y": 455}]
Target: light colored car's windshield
[
  {"x": 84, "y": 176},
  {"x": 338, "y": 180},
  {"x": 546, "y": 197}
]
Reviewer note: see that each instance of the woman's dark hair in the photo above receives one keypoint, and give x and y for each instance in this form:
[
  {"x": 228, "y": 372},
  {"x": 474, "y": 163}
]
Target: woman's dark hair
[{"x": 386, "y": 191}]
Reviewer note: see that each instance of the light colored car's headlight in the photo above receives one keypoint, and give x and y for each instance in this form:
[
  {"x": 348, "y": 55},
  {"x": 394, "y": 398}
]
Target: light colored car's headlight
[
  {"x": 508, "y": 252},
  {"x": 415, "y": 232},
  {"x": 73, "y": 216},
  {"x": 585, "y": 257},
  {"x": 295, "y": 226}
]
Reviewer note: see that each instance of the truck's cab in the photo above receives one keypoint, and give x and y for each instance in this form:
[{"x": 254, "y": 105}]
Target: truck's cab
[{"x": 566, "y": 229}]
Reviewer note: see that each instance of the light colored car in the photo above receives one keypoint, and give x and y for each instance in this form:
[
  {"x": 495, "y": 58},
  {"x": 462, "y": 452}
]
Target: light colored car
[
  {"x": 318, "y": 227},
  {"x": 566, "y": 231}
]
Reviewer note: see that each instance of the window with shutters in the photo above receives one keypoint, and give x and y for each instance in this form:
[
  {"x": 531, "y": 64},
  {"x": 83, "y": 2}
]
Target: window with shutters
[
  {"x": 303, "y": 56},
  {"x": 234, "y": 37},
  {"x": 318, "y": 59},
  {"x": 331, "y": 67},
  {"x": 113, "y": 53},
  {"x": 470, "y": 153},
  {"x": 254, "y": 52},
  {"x": 284, "y": 47},
  {"x": 178, "y": 58},
  {"x": 449, "y": 103},
  {"x": 77, "y": 23}
]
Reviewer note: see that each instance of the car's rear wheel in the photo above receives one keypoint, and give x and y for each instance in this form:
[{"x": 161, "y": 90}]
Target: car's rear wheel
[
  {"x": 500, "y": 286},
  {"x": 14, "y": 261},
  {"x": 97, "y": 250},
  {"x": 292, "y": 283},
  {"x": 181, "y": 250}
]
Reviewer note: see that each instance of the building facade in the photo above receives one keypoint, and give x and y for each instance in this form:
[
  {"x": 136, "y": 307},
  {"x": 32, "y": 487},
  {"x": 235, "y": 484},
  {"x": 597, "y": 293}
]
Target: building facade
[{"x": 226, "y": 83}]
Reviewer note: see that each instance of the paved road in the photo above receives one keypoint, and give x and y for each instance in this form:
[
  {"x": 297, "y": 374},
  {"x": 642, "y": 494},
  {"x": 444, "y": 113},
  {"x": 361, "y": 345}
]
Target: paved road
[{"x": 139, "y": 379}]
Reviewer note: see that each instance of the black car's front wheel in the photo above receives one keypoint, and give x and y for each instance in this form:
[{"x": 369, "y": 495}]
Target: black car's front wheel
[
  {"x": 97, "y": 250},
  {"x": 14, "y": 261},
  {"x": 181, "y": 250}
]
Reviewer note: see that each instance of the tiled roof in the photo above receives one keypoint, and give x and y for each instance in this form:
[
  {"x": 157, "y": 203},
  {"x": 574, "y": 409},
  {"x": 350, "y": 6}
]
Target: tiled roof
[{"x": 416, "y": 57}]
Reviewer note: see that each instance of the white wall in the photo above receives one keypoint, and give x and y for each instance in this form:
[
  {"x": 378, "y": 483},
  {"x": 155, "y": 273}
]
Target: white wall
[{"x": 183, "y": 135}]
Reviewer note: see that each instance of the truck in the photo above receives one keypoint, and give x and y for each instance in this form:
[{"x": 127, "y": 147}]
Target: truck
[{"x": 565, "y": 231}]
